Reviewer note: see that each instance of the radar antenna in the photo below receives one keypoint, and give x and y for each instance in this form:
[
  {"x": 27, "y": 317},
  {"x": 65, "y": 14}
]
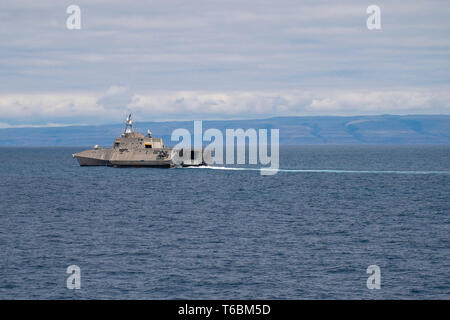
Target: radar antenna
[{"x": 128, "y": 124}]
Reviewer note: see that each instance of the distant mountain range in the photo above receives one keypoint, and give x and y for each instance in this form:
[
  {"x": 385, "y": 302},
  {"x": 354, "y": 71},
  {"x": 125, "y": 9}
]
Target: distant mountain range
[{"x": 384, "y": 129}]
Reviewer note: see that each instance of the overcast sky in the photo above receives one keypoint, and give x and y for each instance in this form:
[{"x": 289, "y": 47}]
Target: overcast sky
[{"x": 208, "y": 59}]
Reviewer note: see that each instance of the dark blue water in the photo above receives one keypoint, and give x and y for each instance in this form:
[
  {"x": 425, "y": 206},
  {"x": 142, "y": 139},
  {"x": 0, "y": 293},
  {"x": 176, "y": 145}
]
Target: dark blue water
[{"x": 200, "y": 233}]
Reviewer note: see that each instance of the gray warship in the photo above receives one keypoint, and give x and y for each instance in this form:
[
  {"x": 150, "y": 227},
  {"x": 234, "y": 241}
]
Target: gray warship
[{"x": 133, "y": 149}]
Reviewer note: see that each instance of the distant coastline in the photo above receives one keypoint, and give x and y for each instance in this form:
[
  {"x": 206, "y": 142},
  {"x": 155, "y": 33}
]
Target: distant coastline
[{"x": 311, "y": 130}]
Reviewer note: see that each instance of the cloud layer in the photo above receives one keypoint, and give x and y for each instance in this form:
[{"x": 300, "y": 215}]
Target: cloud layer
[
  {"x": 182, "y": 105},
  {"x": 213, "y": 59}
]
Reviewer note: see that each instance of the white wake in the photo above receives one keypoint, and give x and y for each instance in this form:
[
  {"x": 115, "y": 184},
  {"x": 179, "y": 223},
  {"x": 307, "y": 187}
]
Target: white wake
[{"x": 322, "y": 170}]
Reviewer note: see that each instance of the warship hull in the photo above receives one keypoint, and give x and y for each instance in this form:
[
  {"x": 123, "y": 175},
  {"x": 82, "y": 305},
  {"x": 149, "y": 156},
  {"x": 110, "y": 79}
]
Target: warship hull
[
  {"x": 136, "y": 158},
  {"x": 141, "y": 164},
  {"x": 83, "y": 161},
  {"x": 86, "y": 162},
  {"x": 161, "y": 158}
]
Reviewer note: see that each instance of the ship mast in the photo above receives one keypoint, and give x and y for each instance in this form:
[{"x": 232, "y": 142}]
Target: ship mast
[{"x": 128, "y": 124}]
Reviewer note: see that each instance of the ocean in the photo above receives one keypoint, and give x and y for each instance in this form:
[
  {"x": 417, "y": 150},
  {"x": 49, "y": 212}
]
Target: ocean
[{"x": 308, "y": 232}]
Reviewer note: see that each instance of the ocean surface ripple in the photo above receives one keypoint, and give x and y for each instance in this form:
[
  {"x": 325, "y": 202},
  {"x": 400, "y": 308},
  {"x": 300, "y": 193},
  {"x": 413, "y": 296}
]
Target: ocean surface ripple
[{"x": 308, "y": 232}]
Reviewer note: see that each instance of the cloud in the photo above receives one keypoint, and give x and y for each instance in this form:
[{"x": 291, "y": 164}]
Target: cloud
[
  {"x": 115, "y": 102},
  {"x": 116, "y": 97},
  {"x": 4, "y": 125},
  {"x": 293, "y": 102},
  {"x": 34, "y": 108},
  {"x": 212, "y": 45},
  {"x": 231, "y": 59}
]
